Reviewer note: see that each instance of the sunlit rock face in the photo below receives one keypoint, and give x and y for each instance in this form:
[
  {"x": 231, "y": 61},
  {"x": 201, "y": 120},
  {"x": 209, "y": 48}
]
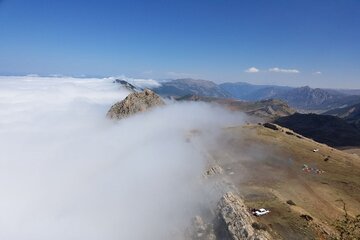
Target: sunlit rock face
[{"x": 134, "y": 103}]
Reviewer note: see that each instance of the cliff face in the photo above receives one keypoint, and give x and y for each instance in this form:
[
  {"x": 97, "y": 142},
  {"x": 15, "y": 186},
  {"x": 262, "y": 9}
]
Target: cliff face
[
  {"x": 238, "y": 220},
  {"x": 134, "y": 103}
]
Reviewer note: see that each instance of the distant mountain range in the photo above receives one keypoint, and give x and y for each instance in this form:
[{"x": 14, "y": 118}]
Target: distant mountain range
[
  {"x": 250, "y": 92},
  {"x": 182, "y": 87},
  {"x": 301, "y": 98}
]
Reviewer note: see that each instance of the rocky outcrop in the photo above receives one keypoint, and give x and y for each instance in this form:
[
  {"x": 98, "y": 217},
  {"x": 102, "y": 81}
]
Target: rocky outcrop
[
  {"x": 126, "y": 85},
  {"x": 134, "y": 103},
  {"x": 237, "y": 219}
]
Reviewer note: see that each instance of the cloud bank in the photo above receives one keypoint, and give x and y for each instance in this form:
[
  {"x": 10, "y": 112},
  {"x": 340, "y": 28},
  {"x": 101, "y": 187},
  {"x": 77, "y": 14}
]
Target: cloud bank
[
  {"x": 252, "y": 70},
  {"x": 68, "y": 173}
]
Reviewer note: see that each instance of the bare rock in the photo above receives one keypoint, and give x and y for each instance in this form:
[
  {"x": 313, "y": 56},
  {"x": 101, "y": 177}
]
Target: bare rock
[
  {"x": 306, "y": 217},
  {"x": 291, "y": 202},
  {"x": 134, "y": 103},
  {"x": 201, "y": 230},
  {"x": 238, "y": 220}
]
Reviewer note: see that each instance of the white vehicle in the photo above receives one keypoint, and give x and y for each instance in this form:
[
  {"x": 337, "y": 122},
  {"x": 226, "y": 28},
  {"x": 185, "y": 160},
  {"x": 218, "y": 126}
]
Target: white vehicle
[{"x": 260, "y": 212}]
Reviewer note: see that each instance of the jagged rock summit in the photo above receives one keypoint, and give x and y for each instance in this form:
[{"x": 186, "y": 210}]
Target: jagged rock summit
[
  {"x": 134, "y": 103},
  {"x": 127, "y": 85}
]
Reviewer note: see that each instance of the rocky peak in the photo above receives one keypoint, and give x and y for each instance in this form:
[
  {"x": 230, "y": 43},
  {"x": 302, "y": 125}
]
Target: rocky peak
[
  {"x": 126, "y": 85},
  {"x": 134, "y": 103}
]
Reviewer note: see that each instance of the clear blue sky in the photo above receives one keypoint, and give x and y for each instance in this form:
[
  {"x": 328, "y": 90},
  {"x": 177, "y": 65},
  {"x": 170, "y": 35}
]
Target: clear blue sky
[{"x": 211, "y": 39}]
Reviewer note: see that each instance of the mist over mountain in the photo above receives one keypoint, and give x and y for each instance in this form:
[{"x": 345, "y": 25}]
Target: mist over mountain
[
  {"x": 264, "y": 110},
  {"x": 69, "y": 172},
  {"x": 104, "y": 159}
]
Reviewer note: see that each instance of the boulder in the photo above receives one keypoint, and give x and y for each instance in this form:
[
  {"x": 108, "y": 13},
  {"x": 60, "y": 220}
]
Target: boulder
[{"x": 290, "y": 202}]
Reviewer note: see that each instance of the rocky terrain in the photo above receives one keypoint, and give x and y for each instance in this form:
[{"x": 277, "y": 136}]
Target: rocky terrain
[
  {"x": 134, "y": 103},
  {"x": 300, "y": 187},
  {"x": 302, "y": 201},
  {"x": 270, "y": 166}
]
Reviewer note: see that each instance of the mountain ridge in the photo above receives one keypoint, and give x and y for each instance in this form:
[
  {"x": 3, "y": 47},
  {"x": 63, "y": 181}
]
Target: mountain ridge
[
  {"x": 185, "y": 86},
  {"x": 350, "y": 114},
  {"x": 327, "y": 129},
  {"x": 304, "y": 99}
]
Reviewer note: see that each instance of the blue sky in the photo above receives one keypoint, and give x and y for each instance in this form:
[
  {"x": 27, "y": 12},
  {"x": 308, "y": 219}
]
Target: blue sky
[{"x": 287, "y": 42}]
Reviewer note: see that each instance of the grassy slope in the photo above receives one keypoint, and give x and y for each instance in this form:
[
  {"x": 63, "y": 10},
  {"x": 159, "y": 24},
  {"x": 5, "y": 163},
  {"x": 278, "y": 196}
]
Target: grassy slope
[{"x": 266, "y": 166}]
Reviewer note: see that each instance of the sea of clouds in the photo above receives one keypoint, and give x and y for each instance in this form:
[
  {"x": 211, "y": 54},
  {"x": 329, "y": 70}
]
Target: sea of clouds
[{"x": 67, "y": 172}]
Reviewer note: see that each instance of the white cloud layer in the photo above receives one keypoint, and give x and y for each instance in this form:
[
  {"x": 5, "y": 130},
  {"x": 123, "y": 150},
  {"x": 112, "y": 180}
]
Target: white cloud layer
[
  {"x": 252, "y": 70},
  {"x": 318, "y": 73},
  {"x": 68, "y": 173},
  {"x": 283, "y": 70}
]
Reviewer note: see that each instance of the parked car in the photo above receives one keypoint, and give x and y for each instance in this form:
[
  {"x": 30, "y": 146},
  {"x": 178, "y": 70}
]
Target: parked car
[{"x": 260, "y": 212}]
